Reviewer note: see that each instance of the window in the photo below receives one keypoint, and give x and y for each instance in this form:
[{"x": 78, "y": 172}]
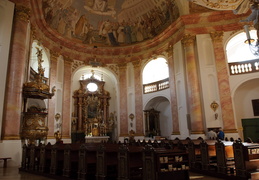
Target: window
[
  {"x": 237, "y": 50},
  {"x": 92, "y": 87},
  {"x": 155, "y": 70}
]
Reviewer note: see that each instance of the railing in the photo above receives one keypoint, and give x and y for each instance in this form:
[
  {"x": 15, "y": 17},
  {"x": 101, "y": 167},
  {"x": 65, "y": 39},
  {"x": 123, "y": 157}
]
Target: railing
[
  {"x": 156, "y": 86},
  {"x": 244, "y": 67}
]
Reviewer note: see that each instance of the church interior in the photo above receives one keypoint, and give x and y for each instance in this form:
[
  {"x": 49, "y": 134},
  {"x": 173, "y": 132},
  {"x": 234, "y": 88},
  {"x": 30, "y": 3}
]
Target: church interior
[{"x": 79, "y": 72}]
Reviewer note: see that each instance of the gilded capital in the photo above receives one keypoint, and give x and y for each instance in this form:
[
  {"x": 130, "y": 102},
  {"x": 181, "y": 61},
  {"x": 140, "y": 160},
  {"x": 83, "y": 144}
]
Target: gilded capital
[
  {"x": 22, "y": 13},
  {"x": 217, "y": 36},
  {"x": 136, "y": 64},
  {"x": 122, "y": 66},
  {"x": 188, "y": 40},
  {"x": 170, "y": 50},
  {"x": 67, "y": 60},
  {"x": 54, "y": 55}
]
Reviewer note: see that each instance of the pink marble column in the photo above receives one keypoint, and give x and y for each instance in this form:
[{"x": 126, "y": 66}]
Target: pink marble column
[
  {"x": 138, "y": 99},
  {"x": 66, "y": 115},
  {"x": 194, "y": 99},
  {"x": 52, "y": 101},
  {"x": 223, "y": 83},
  {"x": 174, "y": 109},
  {"x": 16, "y": 73},
  {"x": 123, "y": 101}
]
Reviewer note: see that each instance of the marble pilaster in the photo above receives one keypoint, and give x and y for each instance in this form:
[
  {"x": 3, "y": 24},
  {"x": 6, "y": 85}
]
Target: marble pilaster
[
  {"x": 123, "y": 100},
  {"x": 52, "y": 101},
  {"x": 194, "y": 99},
  {"x": 66, "y": 114},
  {"x": 174, "y": 109},
  {"x": 223, "y": 83},
  {"x": 138, "y": 98},
  {"x": 16, "y": 76}
]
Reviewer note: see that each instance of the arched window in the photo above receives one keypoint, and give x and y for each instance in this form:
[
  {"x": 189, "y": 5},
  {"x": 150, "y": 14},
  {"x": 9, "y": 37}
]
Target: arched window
[
  {"x": 237, "y": 50},
  {"x": 241, "y": 59},
  {"x": 34, "y": 60},
  {"x": 155, "y": 70},
  {"x": 155, "y": 75}
]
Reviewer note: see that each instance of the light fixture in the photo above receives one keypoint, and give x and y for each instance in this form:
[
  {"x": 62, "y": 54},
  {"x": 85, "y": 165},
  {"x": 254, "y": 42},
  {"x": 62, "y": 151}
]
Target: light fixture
[{"x": 253, "y": 44}]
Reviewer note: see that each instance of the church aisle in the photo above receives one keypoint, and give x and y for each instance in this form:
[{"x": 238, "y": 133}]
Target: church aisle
[{"x": 12, "y": 173}]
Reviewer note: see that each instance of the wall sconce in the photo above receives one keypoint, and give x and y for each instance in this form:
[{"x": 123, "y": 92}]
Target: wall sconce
[
  {"x": 214, "y": 106},
  {"x": 57, "y": 116},
  {"x": 131, "y": 116}
]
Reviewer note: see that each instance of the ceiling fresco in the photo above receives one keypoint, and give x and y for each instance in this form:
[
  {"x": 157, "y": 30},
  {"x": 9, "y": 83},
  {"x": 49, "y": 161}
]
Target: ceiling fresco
[{"x": 109, "y": 22}]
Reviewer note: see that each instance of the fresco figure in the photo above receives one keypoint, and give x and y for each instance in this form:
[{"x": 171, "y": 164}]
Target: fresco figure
[
  {"x": 81, "y": 26},
  {"x": 100, "y": 5}
]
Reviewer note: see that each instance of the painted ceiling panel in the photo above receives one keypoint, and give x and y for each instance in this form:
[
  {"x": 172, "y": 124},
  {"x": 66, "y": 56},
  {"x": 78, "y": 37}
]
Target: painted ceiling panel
[{"x": 109, "y": 22}]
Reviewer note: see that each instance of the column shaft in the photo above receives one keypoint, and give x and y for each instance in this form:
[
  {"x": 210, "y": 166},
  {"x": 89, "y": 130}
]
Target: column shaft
[
  {"x": 223, "y": 82},
  {"x": 174, "y": 109},
  {"x": 16, "y": 76},
  {"x": 123, "y": 100},
  {"x": 66, "y": 115},
  {"x": 138, "y": 99},
  {"x": 194, "y": 99}
]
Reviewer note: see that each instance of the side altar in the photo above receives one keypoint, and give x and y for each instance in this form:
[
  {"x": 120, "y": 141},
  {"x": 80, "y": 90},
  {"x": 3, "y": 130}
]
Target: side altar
[{"x": 90, "y": 119}]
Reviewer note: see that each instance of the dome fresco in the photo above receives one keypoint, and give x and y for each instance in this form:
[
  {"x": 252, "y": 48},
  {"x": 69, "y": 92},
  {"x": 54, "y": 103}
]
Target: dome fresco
[{"x": 109, "y": 22}]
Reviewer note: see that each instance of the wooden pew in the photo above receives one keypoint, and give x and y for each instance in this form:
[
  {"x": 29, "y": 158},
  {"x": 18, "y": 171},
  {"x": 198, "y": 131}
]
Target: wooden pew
[
  {"x": 45, "y": 158},
  {"x": 130, "y": 162},
  {"x": 87, "y": 161},
  {"x": 107, "y": 163},
  {"x": 25, "y": 157},
  {"x": 57, "y": 159},
  {"x": 225, "y": 158},
  {"x": 34, "y": 157},
  {"x": 246, "y": 159},
  {"x": 163, "y": 163},
  {"x": 71, "y": 159},
  {"x": 208, "y": 156}
]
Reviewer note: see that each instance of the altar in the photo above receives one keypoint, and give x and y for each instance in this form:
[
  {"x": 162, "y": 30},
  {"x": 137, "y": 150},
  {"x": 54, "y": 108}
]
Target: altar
[{"x": 96, "y": 139}]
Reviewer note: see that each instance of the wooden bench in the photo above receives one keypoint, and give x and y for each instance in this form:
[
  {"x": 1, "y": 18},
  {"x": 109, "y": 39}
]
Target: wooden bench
[{"x": 5, "y": 161}]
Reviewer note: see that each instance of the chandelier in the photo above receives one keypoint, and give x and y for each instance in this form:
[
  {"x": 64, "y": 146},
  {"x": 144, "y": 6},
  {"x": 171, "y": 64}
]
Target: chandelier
[{"x": 253, "y": 44}]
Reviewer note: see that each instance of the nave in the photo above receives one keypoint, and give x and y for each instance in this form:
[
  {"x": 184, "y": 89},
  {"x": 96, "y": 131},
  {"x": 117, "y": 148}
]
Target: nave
[{"x": 12, "y": 173}]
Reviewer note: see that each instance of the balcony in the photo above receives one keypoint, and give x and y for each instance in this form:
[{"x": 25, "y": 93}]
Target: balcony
[
  {"x": 156, "y": 86},
  {"x": 244, "y": 67}
]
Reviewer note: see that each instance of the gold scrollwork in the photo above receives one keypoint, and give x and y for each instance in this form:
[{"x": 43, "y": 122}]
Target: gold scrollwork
[{"x": 214, "y": 106}]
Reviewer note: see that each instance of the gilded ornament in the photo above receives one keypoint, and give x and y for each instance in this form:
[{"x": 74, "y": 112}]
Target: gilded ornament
[
  {"x": 217, "y": 36},
  {"x": 188, "y": 40},
  {"x": 214, "y": 106},
  {"x": 22, "y": 13}
]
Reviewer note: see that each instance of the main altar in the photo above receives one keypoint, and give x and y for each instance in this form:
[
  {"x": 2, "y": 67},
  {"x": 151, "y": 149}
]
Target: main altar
[{"x": 90, "y": 120}]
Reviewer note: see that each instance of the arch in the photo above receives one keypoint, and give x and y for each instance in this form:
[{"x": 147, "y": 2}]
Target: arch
[
  {"x": 161, "y": 105},
  {"x": 45, "y": 58},
  {"x": 237, "y": 49},
  {"x": 243, "y": 96},
  {"x": 154, "y": 70}
]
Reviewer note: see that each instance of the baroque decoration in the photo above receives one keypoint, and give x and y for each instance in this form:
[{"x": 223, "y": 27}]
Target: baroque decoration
[
  {"x": 91, "y": 109},
  {"x": 34, "y": 126},
  {"x": 109, "y": 23}
]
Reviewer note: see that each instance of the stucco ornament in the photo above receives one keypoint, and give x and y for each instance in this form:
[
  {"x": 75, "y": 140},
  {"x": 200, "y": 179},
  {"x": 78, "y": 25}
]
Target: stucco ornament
[{"x": 239, "y": 6}]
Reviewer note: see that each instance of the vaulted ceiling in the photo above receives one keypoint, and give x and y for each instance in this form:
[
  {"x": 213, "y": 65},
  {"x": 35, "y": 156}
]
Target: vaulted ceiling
[{"x": 119, "y": 31}]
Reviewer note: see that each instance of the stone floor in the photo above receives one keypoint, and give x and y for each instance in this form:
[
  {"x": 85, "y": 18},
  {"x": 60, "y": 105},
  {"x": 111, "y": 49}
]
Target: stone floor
[{"x": 12, "y": 173}]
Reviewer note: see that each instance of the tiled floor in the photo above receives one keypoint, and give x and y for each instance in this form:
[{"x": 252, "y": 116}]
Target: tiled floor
[{"x": 12, "y": 173}]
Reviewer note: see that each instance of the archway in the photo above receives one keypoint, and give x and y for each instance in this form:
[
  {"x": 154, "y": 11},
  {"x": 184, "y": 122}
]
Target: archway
[
  {"x": 243, "y": 96},
  {"x": 162, "y": 105}
]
